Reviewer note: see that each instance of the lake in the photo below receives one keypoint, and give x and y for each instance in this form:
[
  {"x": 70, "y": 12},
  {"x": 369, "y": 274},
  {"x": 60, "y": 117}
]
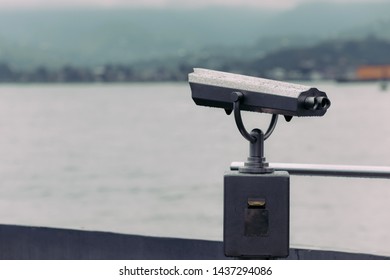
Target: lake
[{"x": 144, "y": 159}]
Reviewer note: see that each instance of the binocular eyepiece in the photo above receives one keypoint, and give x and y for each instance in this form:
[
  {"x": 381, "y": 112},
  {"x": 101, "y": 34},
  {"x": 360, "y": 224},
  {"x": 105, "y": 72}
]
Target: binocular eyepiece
[{"x": 316, "y": 103}]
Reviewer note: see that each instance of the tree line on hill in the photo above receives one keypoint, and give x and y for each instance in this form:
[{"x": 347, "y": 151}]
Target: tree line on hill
[{"x": 326, "y": 60}]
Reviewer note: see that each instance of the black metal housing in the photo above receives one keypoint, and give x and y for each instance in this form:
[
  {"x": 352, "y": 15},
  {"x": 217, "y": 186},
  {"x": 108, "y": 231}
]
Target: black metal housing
[{"x": 256, "y": 214}]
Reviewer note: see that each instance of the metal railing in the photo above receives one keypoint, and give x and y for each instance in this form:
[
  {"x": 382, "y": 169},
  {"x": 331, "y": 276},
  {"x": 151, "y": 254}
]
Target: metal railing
[{"x": 382, "y": 172}]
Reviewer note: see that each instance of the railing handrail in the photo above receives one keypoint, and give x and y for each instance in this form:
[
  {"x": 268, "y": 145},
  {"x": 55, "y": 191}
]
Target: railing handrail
[{"x": 381, "y": 172}]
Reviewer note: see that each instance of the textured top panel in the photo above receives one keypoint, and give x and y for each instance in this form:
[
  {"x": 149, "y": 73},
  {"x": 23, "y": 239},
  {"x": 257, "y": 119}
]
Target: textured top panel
[{"x": 245, "y": 83}]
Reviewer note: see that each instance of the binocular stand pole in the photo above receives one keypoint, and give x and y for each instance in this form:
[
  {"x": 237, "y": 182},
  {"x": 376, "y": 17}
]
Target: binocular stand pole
[{"x": 256, "y": 161}]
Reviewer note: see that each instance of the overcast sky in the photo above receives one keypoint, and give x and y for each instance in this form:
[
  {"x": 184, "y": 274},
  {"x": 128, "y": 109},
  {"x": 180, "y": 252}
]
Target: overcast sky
[{"x": 166, "y": 3}]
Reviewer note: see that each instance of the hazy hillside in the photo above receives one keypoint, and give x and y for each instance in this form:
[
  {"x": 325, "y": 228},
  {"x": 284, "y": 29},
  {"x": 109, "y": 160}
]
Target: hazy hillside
[
  {"x": 328, "y": 19},
  {"x": 99, "y": 36},
  {"x": 53, "y": 38}
]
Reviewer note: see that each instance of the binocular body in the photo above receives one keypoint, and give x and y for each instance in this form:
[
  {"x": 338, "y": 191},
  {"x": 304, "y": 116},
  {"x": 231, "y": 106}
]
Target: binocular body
[{"x": 213, "y": 88}]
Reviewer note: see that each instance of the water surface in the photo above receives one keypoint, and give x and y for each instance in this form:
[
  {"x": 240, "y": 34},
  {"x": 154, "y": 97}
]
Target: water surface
[{"x": 143, "y": 159}]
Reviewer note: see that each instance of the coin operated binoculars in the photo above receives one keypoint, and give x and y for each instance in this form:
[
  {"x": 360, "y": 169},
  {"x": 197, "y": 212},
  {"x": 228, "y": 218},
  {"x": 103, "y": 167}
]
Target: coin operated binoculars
[{"x": 256, "y": 198}]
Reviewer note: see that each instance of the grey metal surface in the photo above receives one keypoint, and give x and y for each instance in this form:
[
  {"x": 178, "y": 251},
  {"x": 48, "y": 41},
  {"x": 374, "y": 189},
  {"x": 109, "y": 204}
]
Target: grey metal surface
[
  {"x": 39, "y": 243},
  {"x": 245, "y": 83},
  {"x": 382, "y": 172}
]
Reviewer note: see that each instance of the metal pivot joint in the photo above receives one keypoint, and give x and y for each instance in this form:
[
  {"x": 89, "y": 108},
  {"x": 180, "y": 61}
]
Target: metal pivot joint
[{"x": 256, "y": 162}]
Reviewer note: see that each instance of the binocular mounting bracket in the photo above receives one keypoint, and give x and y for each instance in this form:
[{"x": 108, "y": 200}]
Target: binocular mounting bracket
[{"x": 256, "y": 162}]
